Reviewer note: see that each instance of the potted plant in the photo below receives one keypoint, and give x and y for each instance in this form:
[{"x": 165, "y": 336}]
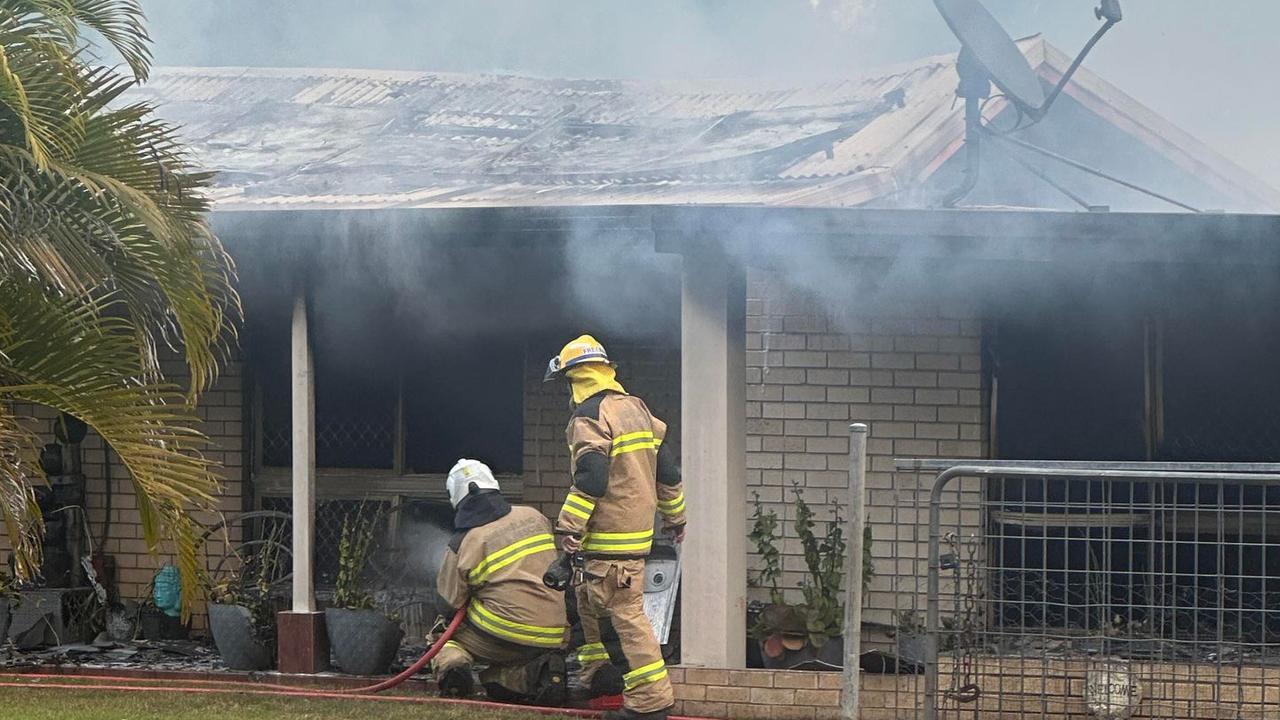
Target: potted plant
[
  {"x": 363, "y": 639},
  {"x": 242, "y": 611},
  {"x": 805, "y": 633}
]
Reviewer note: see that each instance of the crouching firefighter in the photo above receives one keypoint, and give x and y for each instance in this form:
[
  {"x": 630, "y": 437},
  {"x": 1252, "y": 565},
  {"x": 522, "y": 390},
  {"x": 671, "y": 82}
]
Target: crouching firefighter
[
  {"x": 623, "y": 475},
  {"x": 515, "y": 624}
]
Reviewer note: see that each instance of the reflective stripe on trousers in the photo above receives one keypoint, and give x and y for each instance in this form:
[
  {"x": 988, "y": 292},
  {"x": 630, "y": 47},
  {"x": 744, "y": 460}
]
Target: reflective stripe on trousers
[{"x": 652, "y": 672}]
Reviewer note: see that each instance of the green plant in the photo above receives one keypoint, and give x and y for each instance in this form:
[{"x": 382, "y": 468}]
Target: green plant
[
  {"x": 820, "y": 617},
  {"x": 911, "y": 624},
  {"x": 764, "y": 528},
  {"x": 824, "y": 559},
  {"x": 354, "y": 547},
  {"x": 252, "y": 581}
]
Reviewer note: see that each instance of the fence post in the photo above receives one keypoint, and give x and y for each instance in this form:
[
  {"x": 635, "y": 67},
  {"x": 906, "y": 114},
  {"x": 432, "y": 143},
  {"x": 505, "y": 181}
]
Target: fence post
[{"x": 853, "y": 571}]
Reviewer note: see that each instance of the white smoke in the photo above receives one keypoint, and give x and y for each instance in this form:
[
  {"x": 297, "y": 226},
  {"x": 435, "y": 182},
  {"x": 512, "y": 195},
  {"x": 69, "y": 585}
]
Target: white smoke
[{"x": 846, "y": 14}]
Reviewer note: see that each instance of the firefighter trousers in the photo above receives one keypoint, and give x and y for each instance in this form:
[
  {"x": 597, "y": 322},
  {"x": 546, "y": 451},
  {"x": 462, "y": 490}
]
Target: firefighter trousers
[
  {"x": 507, "y": 663},
  {"x": 615, "y": 629}
]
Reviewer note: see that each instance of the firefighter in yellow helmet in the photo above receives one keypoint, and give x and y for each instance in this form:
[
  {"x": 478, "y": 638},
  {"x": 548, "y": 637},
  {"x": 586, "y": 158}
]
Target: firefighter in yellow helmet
[
  {"x": 623, "y": 475},
  {"x": 515, "y": 625}
]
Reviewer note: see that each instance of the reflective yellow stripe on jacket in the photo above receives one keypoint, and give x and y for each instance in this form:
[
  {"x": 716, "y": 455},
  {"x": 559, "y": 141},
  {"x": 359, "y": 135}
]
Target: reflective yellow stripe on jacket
[
  {"x": 632, "y": 442},
  {"x": 626, "y": 543},
  {"x": 485, "y": 619},
  {"x": 515, "y": 551},
  {"x": 578, "y": 506},
  {"x": 652, "y": 672},
  {"x": 674, "y": 506}
]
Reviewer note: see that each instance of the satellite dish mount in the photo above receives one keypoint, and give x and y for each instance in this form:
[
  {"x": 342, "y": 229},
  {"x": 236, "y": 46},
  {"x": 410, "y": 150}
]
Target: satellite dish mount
[{"x": 989, "y": 56}]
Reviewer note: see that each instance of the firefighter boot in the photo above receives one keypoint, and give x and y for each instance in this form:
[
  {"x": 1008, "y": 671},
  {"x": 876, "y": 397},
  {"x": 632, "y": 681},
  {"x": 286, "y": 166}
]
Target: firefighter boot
[
  {"x": 625, "y": 714},
  {"x": 541, "y": 681},
  {"x": 452, "y": 668},
  {"x": 549, "y": 681},
  {"x": 456, "y": 682},
  {"x": 606, "y": 682}
]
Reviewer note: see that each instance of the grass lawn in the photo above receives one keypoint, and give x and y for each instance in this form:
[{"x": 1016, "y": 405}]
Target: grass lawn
[{"x": 64, "y": 704}]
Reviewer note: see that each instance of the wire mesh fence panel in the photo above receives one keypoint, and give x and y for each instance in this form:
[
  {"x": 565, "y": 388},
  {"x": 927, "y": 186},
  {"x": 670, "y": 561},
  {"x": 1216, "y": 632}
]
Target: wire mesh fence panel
[
  {"x": 1074, "y": 590},
  {"x": 407, "y": 547}
]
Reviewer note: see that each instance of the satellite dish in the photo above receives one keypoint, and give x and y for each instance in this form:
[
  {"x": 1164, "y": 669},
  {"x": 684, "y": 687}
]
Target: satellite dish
[
  {"x": 987, "y": 44},
  {"x": 981, "y": 34},
  {"x": 988, "y": 55}
]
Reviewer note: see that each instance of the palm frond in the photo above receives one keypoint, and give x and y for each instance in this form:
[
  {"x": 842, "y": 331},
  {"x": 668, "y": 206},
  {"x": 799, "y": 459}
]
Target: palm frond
[
  {"x": 122, "y": 23},
  {"x": 19, "y": 472},
  {"x": 74, "y": 355},
  {"x": 105, "y": 252},
  {"x": 129, "y": 172}
]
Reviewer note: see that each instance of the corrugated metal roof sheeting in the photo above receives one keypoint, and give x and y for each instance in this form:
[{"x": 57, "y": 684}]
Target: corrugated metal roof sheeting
[{"x": 327, "y": 138}]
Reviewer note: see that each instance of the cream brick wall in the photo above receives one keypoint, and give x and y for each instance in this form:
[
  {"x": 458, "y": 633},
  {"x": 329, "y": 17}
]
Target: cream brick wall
[
  {"x": 913, "y": 374},
  {"x": 649, "y": 371},
  {"x": 1012, "y": 689},
  {"x": 221, "y": 413}
]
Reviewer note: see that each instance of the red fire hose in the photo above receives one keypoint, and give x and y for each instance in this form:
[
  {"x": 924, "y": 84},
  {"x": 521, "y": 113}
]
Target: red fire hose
[
  {"x": 270, "y": 688},
  {"x": 458, "y": 617},
  {"x": 248, "y": 687}
]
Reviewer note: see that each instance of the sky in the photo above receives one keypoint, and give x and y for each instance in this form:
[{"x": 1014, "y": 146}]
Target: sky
[{"x": 1209, "y": 67}]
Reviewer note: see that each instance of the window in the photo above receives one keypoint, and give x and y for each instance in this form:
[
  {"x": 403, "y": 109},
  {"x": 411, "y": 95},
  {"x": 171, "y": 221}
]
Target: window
[
  {"x": 463, "y": 399},
  {"x": 1070, "y": 387},
  {"x": 1220, "y": 398},
  {"x": 438, "y": 398}
]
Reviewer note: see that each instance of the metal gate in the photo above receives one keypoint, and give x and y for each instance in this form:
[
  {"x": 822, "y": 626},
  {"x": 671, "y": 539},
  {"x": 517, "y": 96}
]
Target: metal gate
[{"x": 1106, "y": 590}]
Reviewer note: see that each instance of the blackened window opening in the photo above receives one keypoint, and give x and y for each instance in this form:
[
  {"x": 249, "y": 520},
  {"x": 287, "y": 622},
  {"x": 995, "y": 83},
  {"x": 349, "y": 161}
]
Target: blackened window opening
[
  {"x": 464, "y": 398},
  {"x": 460, "y": 397},
  {"x": 1191, "y": 378}
]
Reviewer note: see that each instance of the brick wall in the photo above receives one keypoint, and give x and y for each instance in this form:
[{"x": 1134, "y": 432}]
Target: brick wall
[
  {"x": 649, "y": 371},
  {"x": 789, "y": 695},
  {"x": 1011, "y": 689},
  {"x": 913, "y": 374},
  {"x": 221, "y": 413}
]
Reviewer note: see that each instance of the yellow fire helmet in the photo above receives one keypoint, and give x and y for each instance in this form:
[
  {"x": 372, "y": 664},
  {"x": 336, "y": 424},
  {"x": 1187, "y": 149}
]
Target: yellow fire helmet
[{"x": 585, "y": 349}]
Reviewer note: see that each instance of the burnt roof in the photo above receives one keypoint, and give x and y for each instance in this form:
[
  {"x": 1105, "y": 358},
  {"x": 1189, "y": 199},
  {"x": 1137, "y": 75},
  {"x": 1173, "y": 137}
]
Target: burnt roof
[{"x": 345, "y": 139}]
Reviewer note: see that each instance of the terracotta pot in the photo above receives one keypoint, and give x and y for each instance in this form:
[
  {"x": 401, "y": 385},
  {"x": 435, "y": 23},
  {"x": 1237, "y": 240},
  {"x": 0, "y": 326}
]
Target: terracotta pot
[{"x": 828, "y": 657}]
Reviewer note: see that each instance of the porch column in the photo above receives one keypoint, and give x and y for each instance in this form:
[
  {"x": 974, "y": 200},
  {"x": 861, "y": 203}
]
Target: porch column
[
  {"x": 302, "y": 641},
  {"x": 304, "y": 457},
  {"x": 713, "y": 443}
]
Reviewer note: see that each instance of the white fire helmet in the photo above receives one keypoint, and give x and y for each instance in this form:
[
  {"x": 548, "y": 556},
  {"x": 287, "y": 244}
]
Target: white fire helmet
[{"x": 465, "y": 473}]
